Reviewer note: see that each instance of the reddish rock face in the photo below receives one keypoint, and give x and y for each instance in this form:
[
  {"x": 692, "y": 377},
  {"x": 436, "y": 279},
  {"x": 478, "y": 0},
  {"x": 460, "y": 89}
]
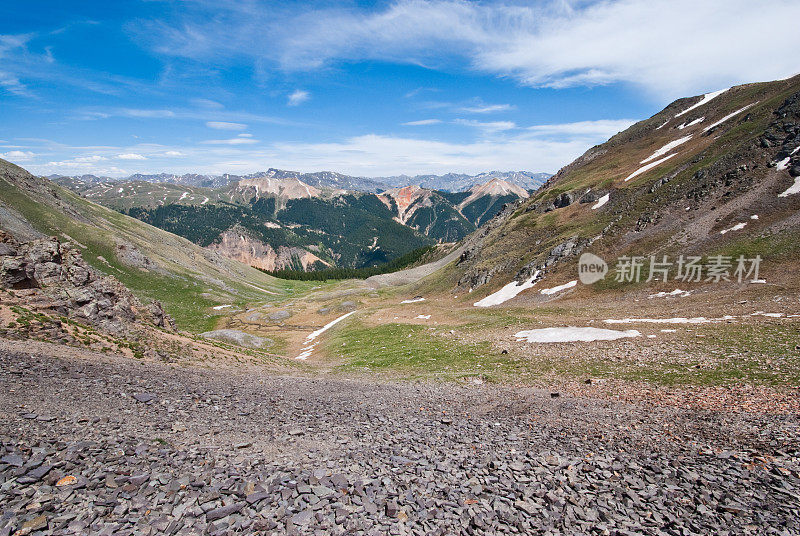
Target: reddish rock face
[{"x": 236, "y": 244}]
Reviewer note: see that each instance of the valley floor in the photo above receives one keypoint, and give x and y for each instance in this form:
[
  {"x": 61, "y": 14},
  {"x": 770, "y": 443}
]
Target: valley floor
[{"x": 101, "y": 444}]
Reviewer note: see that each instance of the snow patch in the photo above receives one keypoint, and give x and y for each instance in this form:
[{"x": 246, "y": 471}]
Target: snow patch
[
  {"x": 648, "y": 167},
  {"x": 706, "y": 98},
  {"x": 691, "y": 124},
  {"x": 183, "y": 196},
  {"x": 424, "y": 317},
  {"x": 737, "y": 112},
  {"x": 559, "y": 288},
  {"x": 737, "y": 227},
  {"x": 754, "y": 217},
  {"x": 783, "y": 164},
  {"x": 204, "y": 201},
  {"x": 602, "y": 201},
  {"x": 413, "y": 300},
  {"x": 308, "y": 349},
  {"x": 509, "y": 291},
  {"x": 667, "y": 148},
  {"x": 306, "y": 352},
  {"x": 770, "y": 315},
  {"x": 574, "y": 334},
  {"x": 313, "y": 335},
  {"x": 676, "y": 292},
  {"x": 679, "y": 320},
  {"x": 218, "y": 307},
  {"x": 793, "y": 189}
]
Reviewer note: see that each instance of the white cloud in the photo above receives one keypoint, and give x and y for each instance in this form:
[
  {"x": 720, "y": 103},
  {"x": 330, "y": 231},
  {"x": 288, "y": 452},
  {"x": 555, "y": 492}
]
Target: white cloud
[
  {"x": 299, "y": 96},
  {"x": 92, "y": 158},
  {"x": 232, "y": 141},
  {"x": 13, "y": 85},
  {"x": 604, "y": 128},
  {"x": 500, "y": 145},
  {"x": 131, "y": 156},
  {"x": 207, "y": 103},
  {"x": 18, "y": 156},
  {"x": 374, "y": 155},
  {"x": 487, "y": 108},
  {"x": 149, "y": 114},
  {"x": 671, "y": 47},
  {"x": 422, "y": 122},
  {"x": 225, "y": 125},
  {"x": 487, "y": 126}
]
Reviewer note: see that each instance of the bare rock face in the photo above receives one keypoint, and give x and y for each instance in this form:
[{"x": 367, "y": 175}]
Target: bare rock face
[
  {"x": 237, "y": 244},
  {"x": 66, "y": 285}
]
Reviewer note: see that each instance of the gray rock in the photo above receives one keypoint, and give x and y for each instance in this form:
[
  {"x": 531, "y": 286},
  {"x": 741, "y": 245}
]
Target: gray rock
[
  {"x": 144, "y": 398},
  {"x": 224, "y": 511},
  {"x": 239, "y": 338},
  {"x": 279, "y": 315}
]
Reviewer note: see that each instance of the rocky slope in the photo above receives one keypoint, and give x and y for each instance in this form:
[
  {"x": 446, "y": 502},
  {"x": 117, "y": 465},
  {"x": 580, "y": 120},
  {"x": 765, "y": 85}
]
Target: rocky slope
[
  {"x": 154, "y": 264},
  {"x": 96, "y": 444},
  {"x": 50, "y": 276},
  {"x": 708, "y": 175}
]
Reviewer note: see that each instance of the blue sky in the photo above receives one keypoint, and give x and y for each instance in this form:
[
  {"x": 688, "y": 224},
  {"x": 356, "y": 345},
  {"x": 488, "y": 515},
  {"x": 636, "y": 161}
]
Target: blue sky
[{"x": 364, "y": 88}]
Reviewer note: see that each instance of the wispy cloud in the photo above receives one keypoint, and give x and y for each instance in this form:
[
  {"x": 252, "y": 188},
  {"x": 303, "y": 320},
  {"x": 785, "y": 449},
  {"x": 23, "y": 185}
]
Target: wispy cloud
[
  {"x": 231, "y": 141},
  {"x": 501, "y": 145},
  {"x": 604, "y": 128},
  {"x": 487, "y": 126},
  {"x": 225, "y": 125},
  {"x": 667, "y": 46},
  {"x": 298, "y": 96},
  {"x": 131, "y": 156},
  {"x": 89, "y": 159},
  {"x": 422, "y": 122},
  {"x": 148, "y": 114},
  {"x": 486, "y": 108}
]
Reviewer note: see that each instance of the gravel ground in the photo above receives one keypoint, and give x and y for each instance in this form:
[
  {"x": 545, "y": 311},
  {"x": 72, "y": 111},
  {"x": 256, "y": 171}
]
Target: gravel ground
[{"x": 93, "y": 444}]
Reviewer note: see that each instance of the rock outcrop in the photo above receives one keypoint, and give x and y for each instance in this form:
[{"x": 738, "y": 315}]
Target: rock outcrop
[{"x": 62, "y": 283}]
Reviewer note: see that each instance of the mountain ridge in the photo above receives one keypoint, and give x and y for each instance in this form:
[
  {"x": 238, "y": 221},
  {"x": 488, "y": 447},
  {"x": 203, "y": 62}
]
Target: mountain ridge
[
  {"x": 703, "y": 176},
  {"x": 449, "y": 182}
]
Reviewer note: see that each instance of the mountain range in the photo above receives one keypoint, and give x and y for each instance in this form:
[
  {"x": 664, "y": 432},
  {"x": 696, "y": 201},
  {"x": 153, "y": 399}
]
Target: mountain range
[
  {"x": 450, "y": 182},
  {"x": 276, "y": 221}
]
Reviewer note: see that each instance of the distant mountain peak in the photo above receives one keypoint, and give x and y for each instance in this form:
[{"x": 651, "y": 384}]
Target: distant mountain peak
[
  {"x": 498, "y": 187},
  {"x": 288, "y": 188}
]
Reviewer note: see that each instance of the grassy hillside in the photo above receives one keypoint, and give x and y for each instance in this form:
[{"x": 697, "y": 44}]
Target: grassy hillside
[{"x": 188, "y": 279}]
